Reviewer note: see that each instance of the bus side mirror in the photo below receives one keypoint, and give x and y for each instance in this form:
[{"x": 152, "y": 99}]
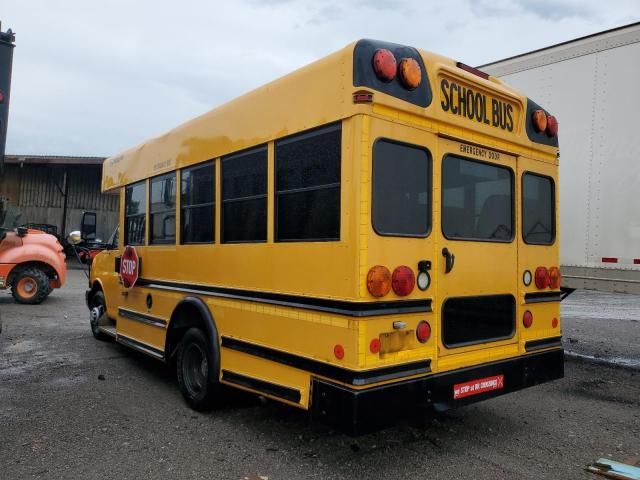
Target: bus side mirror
[
  {"x": 74, "y": 237},
  {"x": 88, "y": 226}
]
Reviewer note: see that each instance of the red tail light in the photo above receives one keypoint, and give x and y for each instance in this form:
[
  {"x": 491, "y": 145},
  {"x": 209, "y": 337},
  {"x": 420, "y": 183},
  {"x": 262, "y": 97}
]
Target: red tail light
[
  {"x": 375, "y": 345},
  {"x": 338, "y": 351},
  {"x": 554, "y": 278},
  {"x": 403, "y": 281},
  {"x": 554, "y": 322},
  {"x": 423, "y": 332},
  {"x": 527, "y": 319},
  {"x": 385, "y": 65},
  {"x": 379, "y": 281},
  {"x": 542, "y": 277},
  {"x": 552, "y": 126}
]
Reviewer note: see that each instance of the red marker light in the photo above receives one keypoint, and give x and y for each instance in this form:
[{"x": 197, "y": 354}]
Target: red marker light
[
  {"x": 542, "y": 278},
  {"x": 1, "y": 96},
  {"x": 552, "y": 126},
  {"x": 338, "y": 351},
  {"x": 554, "y": 323},
  {"x": 554, "y": 278},
  {"x": 375, "y": 345},
  {"x": 527, "y": 319},
  {"x": 385, "y": 65},
  {"x": 423, "y": 332}
]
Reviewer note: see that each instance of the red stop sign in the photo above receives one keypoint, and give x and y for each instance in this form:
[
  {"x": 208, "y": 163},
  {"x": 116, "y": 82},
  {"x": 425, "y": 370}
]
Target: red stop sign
[{"x": 129, "y": 266}]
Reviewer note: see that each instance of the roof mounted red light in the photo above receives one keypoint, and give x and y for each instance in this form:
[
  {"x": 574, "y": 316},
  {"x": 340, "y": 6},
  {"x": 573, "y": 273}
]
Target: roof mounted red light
[
  {"x": 385, "y": 65},
  {"x": 473, "y": 70},
  {"x": 552, "y": 126}
]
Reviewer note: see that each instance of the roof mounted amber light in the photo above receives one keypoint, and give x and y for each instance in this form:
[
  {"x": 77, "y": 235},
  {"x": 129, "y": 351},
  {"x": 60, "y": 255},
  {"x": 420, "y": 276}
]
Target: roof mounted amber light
[
  {"x": 552, "y": 126},
  {"x": 410, "y": 73},
  {"x": 384, "y": 64},
  {"x": 539, "y": 120}
]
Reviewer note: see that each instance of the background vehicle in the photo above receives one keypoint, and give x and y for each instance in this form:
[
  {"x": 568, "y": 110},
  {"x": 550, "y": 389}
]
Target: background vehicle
[
  {"x": 32, "y": 262},
  {"x": 592, "y": 85},
  {"x": 259, "y": 240}
]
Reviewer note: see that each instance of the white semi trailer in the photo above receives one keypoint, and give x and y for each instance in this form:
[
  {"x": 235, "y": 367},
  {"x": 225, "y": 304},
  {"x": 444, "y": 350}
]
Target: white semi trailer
[{"x": 592, "y": 85}]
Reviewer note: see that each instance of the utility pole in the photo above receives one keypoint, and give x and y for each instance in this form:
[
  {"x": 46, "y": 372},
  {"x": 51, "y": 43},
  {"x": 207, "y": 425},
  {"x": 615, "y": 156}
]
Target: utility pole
[{"x": 7, "y": 40}]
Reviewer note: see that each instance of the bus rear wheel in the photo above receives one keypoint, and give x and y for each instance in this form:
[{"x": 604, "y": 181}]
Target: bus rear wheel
[
  {"x": 197, "y": 378},
  {"x": 30, "y": 286}
]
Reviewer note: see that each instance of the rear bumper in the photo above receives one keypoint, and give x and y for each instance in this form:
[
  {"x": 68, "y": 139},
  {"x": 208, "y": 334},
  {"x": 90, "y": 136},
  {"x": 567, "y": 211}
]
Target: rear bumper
[{"x": 359, "y": 411}]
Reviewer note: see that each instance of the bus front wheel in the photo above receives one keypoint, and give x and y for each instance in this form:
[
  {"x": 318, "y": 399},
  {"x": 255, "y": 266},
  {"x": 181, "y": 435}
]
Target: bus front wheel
[{"x": 197, "y": 378}]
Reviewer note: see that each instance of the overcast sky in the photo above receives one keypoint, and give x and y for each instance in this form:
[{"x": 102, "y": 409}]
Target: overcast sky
[{"x": 94, "y": 78}]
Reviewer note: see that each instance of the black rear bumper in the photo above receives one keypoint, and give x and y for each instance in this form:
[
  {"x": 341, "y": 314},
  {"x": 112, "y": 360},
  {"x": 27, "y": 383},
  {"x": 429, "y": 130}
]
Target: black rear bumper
[{"x": 359, "y": 411}]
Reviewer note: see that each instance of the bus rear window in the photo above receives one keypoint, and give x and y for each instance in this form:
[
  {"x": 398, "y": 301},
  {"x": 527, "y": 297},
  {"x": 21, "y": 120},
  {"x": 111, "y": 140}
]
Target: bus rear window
[
  {"x": 477, "y": 201},
  {"x": 401, "y": 189},
  {"x": 538, "y": 200}
]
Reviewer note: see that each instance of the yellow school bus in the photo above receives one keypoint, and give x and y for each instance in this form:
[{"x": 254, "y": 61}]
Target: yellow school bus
[{"x": 370, "y": 235}]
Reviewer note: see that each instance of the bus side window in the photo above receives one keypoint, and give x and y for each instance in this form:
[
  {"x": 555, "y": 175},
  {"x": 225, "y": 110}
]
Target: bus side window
[
  {"x": 307, "y": 176},
  {"x": 197, "y": 203},
  {"x": 244, "y": 196},
  {"x": 135, "y": 209},
  {"x": 162, "y": 210}
]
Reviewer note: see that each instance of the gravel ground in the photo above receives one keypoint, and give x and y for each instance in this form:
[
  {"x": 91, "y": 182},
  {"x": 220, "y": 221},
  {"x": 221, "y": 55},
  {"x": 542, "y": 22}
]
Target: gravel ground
[{"x": 72, "y": 407}]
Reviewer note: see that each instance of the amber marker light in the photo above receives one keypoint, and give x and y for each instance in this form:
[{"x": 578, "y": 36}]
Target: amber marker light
[
  {"x": 410, "y": 73},
  {"x": 385, "y": 65},
  {"x": 539, "y": 119},
  {"x": 379, "y": 281}
]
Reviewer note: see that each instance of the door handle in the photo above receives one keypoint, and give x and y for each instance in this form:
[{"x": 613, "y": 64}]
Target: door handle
[{"x": 450, "y": 259}]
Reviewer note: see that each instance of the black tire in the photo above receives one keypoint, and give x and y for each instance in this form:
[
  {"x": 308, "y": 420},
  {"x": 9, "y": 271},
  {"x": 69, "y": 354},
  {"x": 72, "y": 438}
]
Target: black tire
[
  {"x": 30, "y": 286},
  {"x": 197, "y": 369},
  {"x": 97, "y": 300}
]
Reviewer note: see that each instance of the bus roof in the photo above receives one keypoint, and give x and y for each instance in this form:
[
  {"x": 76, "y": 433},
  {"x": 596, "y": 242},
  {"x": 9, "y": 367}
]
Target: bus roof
[{"x": 316, "y": 94}]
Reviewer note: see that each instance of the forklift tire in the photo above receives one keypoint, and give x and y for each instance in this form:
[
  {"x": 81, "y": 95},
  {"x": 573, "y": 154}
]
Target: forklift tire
[{"x": 30, "y": 286}]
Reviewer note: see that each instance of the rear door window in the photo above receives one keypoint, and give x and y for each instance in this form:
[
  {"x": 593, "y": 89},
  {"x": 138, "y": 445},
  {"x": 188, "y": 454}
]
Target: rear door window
[
  {"x": 477, "y": 200},
  {"x": 401, "y": 189},
  {"x": 538, "y": 213}
]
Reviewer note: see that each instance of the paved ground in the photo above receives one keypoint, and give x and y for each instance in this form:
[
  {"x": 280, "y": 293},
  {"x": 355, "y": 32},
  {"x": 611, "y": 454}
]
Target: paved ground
[{"x": 71, "y": 407}]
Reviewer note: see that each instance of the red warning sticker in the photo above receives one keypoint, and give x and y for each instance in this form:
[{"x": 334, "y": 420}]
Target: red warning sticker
[{"x": 474, "y": 387}]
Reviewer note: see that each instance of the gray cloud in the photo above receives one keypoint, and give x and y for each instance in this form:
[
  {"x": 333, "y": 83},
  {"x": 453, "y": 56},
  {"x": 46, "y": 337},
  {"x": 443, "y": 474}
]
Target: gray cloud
[{"x": 95, "y": 78}]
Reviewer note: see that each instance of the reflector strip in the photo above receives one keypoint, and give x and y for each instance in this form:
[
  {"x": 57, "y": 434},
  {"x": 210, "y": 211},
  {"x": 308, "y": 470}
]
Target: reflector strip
[
  {"x": 474, "y": 387},
  {"x": 609, "y": 260}
]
